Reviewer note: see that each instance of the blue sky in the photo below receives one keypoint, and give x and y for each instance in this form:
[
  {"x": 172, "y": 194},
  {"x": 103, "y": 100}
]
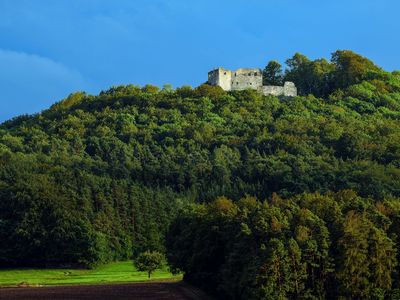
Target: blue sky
[{"x": 49, "y": 49}]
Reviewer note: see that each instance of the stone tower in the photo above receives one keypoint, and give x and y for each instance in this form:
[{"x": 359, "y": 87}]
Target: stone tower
[{"x": 221, "y": 77}]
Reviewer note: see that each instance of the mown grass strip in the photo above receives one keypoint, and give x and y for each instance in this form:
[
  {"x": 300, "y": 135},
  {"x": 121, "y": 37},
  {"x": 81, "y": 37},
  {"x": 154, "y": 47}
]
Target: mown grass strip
[{"x": 117, "y": 272}]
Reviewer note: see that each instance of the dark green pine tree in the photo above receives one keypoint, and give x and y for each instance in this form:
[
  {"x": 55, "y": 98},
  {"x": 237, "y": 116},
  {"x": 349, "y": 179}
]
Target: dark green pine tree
[
  {"x": 274, "y": 273},
  {"x": 272, "y": 74},
  {"x": 353, "y": 270},
  {"x": 297, "y": 270}
]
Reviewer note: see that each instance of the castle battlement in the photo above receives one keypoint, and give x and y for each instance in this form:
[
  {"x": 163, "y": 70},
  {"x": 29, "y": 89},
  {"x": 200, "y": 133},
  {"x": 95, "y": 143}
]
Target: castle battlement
[{"x": 248, "y": 78}]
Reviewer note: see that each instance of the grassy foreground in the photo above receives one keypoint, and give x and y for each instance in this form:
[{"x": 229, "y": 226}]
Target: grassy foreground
[{"x": 117, "y": 272}]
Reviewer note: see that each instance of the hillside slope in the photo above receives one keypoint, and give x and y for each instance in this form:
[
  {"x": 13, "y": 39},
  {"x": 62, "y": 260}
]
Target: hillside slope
[{"x": 95, "y": 178}]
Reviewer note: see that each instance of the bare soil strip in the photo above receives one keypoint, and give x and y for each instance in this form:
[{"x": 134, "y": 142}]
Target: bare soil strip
[{"x": 159, "y": 291}]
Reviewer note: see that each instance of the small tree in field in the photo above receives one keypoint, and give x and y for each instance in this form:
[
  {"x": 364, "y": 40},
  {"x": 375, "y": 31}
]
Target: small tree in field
[{"x": 149, "y": 261}]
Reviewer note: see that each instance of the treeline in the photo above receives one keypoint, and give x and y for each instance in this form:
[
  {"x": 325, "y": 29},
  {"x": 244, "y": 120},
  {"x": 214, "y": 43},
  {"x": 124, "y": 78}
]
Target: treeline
[
  {"x": 98, "y": 178},
  {"x": 311, "y": 246},
  {"x": 321, "y": 77},
  {"x": 58, "y": 214}
]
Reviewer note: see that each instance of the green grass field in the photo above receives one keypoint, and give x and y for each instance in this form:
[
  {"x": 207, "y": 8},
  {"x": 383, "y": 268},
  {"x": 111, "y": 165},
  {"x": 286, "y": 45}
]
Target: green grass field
[{"x": 117, "y": 272}]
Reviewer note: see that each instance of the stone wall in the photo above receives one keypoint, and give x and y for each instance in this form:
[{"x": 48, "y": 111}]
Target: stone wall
[
  {"x": 246, "y": 79},
  {"x": 288, "y": 89},
  {"x": 272, "y": 90}
]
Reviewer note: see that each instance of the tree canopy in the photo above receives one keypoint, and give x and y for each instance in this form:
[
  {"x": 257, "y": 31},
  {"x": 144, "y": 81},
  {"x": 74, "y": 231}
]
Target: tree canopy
[
  {"x": 149, "y": 261},
  {"x": 310, "y": 246},
  {"x": 100, "y": 178}
]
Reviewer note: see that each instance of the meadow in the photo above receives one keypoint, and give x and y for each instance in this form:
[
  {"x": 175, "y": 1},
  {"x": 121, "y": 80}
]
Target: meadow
[{"x": 117, "y": 272}]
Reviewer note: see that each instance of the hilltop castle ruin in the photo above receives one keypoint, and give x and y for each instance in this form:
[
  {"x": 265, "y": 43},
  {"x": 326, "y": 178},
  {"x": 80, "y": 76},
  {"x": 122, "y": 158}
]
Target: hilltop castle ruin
[{"x": 242, "y": 79}]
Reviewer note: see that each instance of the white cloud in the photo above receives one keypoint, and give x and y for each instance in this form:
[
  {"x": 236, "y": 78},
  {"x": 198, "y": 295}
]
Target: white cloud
[{"x": 30, "y": 83}]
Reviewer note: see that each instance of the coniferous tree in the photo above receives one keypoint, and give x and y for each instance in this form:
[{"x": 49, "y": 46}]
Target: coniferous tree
[{"x": 272, "y": 74}]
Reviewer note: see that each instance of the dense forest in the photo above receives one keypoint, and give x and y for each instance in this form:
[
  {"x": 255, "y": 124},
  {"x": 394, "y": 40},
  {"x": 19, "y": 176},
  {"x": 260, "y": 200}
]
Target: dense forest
[
  {"x": 309, "y": 246},
  {"x": 100, "y": 178}
]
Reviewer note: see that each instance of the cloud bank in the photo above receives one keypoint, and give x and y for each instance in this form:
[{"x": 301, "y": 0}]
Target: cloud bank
[{"x": 30, "y": 82}]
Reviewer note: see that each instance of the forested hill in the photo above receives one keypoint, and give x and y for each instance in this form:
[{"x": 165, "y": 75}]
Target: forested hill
[{"x": 94, "y": 178}]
